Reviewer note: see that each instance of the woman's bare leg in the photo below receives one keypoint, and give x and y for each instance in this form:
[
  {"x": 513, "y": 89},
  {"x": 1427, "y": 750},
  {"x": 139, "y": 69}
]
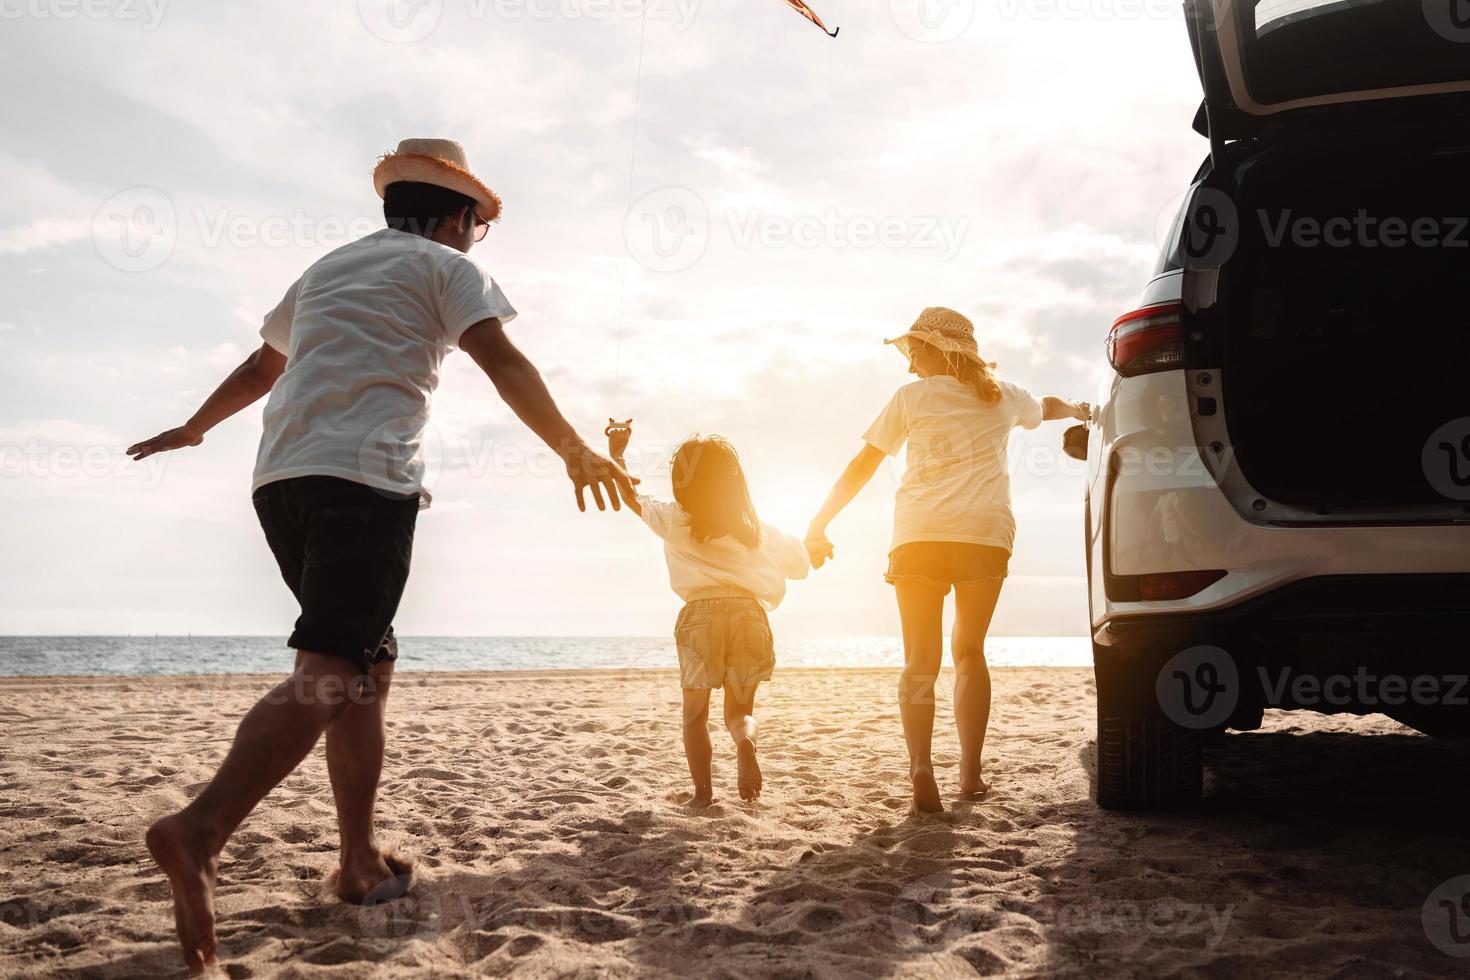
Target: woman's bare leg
[
  {"x": 697, "y": 748},
  {"x": 974, "y": 606},
  {"x": 921, "y": 609},
  {"x": 740, "y": 721}
]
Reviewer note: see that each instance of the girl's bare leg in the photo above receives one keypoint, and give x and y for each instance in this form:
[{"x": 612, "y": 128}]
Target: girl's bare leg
[
  {"x": 974, "y": 606},
  {"x": 740, "y": 721},
  {"x": 697, "y": 748},
  {"x": 921, "y": 609}
]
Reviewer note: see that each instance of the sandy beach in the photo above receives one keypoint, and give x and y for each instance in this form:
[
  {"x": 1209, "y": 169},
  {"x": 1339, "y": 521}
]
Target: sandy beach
[{"x": 549, "y": 819}]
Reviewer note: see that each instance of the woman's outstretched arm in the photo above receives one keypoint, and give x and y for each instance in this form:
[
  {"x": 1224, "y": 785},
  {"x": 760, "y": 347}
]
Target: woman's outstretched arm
[
  {"x": 1053, "y": 408},
  {"x": 852, "y": 480}
]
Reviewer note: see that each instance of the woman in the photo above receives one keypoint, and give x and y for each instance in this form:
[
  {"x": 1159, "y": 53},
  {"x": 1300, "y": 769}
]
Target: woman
[{"x": 952, "y": 525}]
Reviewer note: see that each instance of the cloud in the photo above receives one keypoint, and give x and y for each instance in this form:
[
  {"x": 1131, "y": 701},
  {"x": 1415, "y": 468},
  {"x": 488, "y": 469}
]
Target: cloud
[{"x": 42, "y": 233}]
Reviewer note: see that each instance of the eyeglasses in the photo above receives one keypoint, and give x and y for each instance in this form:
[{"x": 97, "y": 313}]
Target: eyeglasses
[{"x": 481, "y": 227}]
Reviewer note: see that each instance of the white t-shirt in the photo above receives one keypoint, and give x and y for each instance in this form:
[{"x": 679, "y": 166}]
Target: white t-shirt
[
  {"x": 364, "y": 331},
  {"x": 724, "y": 562},
  {"x": 955, "y": 485}
]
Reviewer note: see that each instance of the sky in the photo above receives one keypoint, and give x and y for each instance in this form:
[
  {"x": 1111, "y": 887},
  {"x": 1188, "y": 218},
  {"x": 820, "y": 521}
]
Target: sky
[{"x": 790, "y": 201}]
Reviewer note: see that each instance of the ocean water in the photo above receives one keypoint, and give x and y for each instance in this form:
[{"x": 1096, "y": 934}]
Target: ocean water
[{"x": 113, "y": 655}]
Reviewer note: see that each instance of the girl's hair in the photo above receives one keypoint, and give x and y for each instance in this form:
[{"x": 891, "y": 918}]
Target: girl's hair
[
  {"x": 978, "y": 376},
  {"x": 710, "y": 485}
]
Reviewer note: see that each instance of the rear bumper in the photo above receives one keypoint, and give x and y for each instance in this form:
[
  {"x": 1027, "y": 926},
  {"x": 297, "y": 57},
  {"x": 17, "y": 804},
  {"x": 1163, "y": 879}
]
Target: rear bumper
[
  {"x": 1343, "y": 606},
  {"x": 1395, "y": 644}
]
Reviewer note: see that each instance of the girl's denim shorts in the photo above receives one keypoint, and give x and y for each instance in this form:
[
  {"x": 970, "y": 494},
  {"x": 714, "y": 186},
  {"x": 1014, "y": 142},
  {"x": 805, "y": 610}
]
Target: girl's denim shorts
[{"x": 724, "y": 641}]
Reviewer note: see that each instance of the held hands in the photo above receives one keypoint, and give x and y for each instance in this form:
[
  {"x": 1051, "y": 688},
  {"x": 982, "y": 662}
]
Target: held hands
[
  {"x": 179, "y": 438},
  {"x": 818, "y": 548},
  {"x": 1082, "y": 411}
]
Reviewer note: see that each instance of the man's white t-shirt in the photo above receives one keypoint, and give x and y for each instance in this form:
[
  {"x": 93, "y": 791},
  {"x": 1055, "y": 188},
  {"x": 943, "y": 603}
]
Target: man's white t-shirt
[
  {"x": 364, "y": 331},
  {"x": 724, "y": 562},
  {"x": 956, "y": 486}
]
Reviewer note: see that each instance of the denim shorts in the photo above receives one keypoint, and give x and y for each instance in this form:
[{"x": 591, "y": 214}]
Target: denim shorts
[
  {"x": 344, "y": 550},
  {"x": 724, "y": 641},
  {"x": 946, "y": 564}
]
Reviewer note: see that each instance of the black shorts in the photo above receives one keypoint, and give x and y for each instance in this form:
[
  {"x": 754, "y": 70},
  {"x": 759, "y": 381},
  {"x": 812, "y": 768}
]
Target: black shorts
[
  {"x": 344, "y": 551},
  {"x": 944, "y": 564}
]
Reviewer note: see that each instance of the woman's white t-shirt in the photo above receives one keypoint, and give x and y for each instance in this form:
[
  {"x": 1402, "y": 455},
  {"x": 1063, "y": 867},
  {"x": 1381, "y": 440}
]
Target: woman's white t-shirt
[
  {"x": 724, "y": 562},
  {"x": 956, "y": 486},
  {"x": 364, "y": 331}
]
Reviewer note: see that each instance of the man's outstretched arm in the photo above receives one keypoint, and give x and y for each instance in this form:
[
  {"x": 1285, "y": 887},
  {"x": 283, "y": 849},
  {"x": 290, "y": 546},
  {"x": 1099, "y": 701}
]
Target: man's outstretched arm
[
  {"x": 520, "y": 385},
  {"x": 243, "y": 388}
]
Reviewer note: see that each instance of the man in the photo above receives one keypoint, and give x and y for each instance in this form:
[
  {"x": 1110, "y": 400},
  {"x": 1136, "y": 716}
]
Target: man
[{"x": 351, "y": 357}]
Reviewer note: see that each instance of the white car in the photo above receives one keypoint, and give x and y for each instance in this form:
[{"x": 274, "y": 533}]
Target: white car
[{"x": 1278, "y": 493}]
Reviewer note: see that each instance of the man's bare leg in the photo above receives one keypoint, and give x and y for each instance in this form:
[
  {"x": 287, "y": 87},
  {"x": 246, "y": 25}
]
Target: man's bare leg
[
  {"x": 974, "y": 606},
  {"x": 921, "y": 610},
  {"x": 273, "y": 738},
  {"x": 697, "y": 749},
  {"x": 355, "y": 743},
  {"x": 740, "y": 722}
]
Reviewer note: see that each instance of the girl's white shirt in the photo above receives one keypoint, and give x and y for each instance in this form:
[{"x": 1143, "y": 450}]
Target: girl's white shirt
[{"x": 723, "y": 562}]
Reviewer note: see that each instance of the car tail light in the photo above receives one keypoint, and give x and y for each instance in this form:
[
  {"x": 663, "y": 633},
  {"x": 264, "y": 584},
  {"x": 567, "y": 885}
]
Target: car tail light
[
  {"x": 1147, "y": 340},
  {"x": 1162, "y": 586}
]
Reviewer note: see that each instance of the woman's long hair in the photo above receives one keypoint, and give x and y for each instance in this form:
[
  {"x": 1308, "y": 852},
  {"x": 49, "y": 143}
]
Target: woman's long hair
[
  {"x": 710, "y": 485},
  {"x": 978, "y": 376}
]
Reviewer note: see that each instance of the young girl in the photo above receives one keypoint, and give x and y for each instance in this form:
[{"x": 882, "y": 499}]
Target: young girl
[
  {"x": 729, "y": 568},
  {"x": 952, "y": 525}
]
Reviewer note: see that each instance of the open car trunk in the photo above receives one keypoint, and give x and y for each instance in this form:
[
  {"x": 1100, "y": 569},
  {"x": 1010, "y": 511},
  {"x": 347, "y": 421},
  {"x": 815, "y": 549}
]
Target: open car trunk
[
  {"x": 1265, "y": 64},
  {"x": 1344, "y": 317}
]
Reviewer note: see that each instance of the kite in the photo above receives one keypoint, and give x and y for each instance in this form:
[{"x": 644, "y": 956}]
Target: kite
[{"x": 801, "y": 8}]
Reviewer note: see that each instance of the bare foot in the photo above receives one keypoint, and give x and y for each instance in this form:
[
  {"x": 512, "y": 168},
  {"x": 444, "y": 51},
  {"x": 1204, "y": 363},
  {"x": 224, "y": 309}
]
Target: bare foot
[
  {"x": 926, "y": 792},
  {"x": 972, "y": 783},
  {"x": 975, "y": 790},
  {"x": 179, "y": 850},
  {"x": 382, "y": 877},
  {"x": 703, "y": 796},
  {"x": 750, "y": 770}
]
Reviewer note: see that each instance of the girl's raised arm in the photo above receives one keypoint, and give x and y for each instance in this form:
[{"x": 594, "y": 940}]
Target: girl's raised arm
[
  {"x": 618, "y": 434},
  {"x": 856, "y": 476}
]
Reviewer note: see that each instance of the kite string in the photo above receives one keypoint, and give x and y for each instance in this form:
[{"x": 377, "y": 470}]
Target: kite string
[{"x": 628, "y": 201}]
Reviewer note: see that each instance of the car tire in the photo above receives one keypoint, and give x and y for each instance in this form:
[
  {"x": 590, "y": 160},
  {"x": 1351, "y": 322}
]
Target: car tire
[{"x": 1145, "y": 761}]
